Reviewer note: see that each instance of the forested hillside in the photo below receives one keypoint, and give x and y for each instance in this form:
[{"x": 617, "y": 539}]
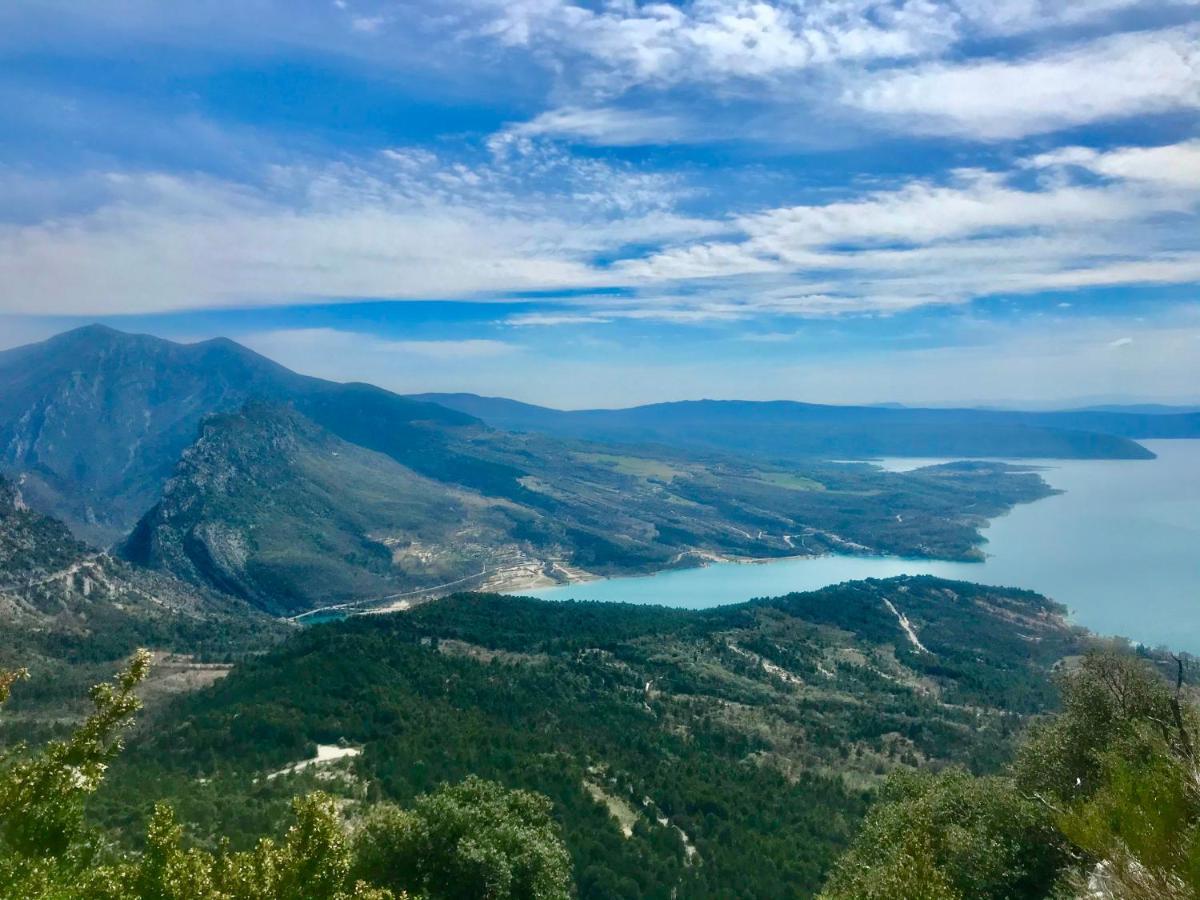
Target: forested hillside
[
  {"x": 1099, "y": 804},
  {"x": 674, "y": 745},
  {"x": 470, "y": 840}
]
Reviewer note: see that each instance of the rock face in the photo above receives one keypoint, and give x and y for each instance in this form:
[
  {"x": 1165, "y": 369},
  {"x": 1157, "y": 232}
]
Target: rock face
[
  {"x": 268, "y": 506},
  {"x": 59, "y": 598}
]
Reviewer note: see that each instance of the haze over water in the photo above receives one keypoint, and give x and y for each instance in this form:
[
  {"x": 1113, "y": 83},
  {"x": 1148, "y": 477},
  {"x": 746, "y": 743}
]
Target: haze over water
[{"x": 1121, "y": 548}]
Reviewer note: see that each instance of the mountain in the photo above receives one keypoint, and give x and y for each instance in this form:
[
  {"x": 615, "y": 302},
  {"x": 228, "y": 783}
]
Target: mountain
[
  {"x": 786, "y": 430},
  {"x": 290, "y": 492},
  {"x": 271, "y": 507},
  {"x": 69, "y": 612},
  {"x": 1151, "y": 409},
  {"x": 676, "y": 745},
  {"x": 95, "y": 419}
]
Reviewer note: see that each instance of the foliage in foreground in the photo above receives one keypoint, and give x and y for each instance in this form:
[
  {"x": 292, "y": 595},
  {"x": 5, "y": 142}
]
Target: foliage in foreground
[
  {"x": 1103, "y": 802},
  {"x": 472, "y": 840}
]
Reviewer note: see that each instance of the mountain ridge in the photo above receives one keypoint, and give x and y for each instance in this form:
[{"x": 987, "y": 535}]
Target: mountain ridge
[
  {"x": 270, "y": 506},
  {"x": 792, "y": 429},
  {"x": 70, "y": 613},
  {"x": 96, "y": 418},
  {"x": 353, "y": 494}
]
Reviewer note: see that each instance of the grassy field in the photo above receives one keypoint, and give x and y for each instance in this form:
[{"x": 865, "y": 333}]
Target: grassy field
[
  {"x": 788, "y": 480},
  {"x": 637, "y": 466}
]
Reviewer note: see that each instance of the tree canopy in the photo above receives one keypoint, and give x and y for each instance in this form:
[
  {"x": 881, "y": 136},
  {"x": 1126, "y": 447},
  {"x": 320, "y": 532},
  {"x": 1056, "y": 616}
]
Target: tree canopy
[
  {"x": 1103, "y": 801},
  {"x": 472, "y": 840}
]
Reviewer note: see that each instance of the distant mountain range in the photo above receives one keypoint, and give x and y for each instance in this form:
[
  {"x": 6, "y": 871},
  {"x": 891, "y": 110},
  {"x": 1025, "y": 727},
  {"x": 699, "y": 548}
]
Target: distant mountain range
[
  {"x": 95, "y": 419},
  {"x": 787, "y": 430},
  {"x": 231, "y": 472},
  {"x": 1153, "y": 409}
]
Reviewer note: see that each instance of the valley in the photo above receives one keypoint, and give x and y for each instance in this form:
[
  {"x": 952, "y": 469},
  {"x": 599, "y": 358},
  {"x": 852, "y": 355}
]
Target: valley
[
  {"x": 1075, "y": 547},
  {"x": 296, "y": 494}
]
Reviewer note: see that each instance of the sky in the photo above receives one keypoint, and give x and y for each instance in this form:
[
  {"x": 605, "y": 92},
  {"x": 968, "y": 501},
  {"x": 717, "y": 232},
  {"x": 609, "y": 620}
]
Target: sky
[{"x": 983, "y": 202}]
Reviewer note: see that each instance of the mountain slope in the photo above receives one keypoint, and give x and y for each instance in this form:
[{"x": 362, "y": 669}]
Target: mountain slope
[
  {"x": 788, "y": 430},
  {"x": 270, "y": 507},
  {"x": 95, "y": 419},
  {"x": 711, "y": 737},
  {"x": 68, "y": 612}
]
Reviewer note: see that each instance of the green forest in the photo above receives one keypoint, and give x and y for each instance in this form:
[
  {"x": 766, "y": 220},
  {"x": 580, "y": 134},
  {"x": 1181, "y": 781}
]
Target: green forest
[
  {"x": 1099, "y": 800},
  {"x": 673, "y": 745}
]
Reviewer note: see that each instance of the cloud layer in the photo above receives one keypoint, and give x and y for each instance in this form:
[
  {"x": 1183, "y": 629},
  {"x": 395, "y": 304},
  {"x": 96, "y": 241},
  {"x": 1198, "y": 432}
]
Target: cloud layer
[{"x": 409, "y": 225}]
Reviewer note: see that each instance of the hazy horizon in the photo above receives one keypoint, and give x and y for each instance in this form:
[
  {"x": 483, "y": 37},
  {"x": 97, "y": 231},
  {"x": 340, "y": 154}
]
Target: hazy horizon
[{"x": 1182, "y": 403}]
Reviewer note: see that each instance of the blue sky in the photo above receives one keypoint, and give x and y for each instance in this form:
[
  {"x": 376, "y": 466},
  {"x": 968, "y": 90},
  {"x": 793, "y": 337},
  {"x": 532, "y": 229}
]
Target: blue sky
[{"x": 604, "y": 203}]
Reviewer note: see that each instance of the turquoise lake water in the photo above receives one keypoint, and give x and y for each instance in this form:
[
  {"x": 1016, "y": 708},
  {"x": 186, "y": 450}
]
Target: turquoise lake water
[{"x": 1120, "y": 548}]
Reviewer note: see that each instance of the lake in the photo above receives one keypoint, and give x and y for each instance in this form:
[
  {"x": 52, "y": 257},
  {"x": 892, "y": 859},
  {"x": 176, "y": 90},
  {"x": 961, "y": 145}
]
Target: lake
[{"x": 1120, "y": 548}]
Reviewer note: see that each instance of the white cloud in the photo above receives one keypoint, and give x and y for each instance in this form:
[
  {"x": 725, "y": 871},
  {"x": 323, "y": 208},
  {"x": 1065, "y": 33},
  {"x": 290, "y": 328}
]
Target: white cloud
[
  {"x": 367, "y": 24},
  {"x": 616, "y": 45},
  {"x": 526, "y": 320},
  {"x": 1010, "y": 17},
  {"x": 295, "y": 342},
  {"x": 1176, "y": 164},
  {"x": 401, "y": 365},
  {"x": 1028, "y": 363},
  {"x": 1127, "y": 75},
  {"x": 629, "y": 43},
  {"x": 925, "y": 242},
  {"x": 405, "y": 226},
  {"x": 409, "y": 225},
  {"x": 606, "y": 126}
]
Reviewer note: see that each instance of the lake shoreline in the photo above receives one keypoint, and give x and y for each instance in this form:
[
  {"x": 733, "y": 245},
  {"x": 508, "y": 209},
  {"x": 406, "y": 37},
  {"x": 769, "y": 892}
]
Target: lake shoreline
[{"x": 1115, "y": 545}]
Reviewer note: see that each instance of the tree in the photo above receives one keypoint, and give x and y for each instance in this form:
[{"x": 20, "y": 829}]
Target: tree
[
  {"x": 312, "y": 863},
  {"x": 470, "y": 841},
  {"x": 1103, "y": 801},
  {"x": 950, "y": 837},
  {"x": 473, "y": 840},
  {"x": 1120, "y": 767},
  {"x": 44, "y": 846}
]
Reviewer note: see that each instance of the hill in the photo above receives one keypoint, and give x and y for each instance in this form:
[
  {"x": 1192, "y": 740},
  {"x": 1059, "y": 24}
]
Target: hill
[
  {"x": 785, "y": 430},
  {"x": 271, "y": 507},
  {"x": 95, "y": 419},
  {"x": 675, "y": 745},
  {"x": 70, "y": 613}
]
